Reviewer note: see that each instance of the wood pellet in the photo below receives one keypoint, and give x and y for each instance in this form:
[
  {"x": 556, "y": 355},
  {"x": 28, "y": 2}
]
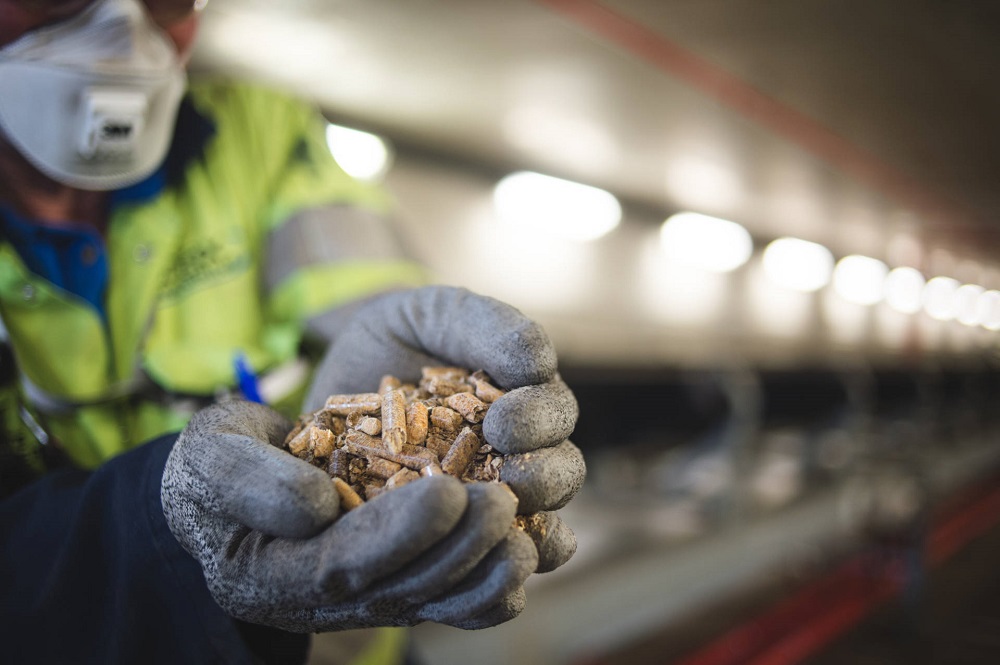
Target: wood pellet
[{"x": 370, "y": 443}]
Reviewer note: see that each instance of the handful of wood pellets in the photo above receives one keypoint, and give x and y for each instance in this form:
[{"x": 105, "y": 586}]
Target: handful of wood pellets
[{"x": 371, "y": 443}]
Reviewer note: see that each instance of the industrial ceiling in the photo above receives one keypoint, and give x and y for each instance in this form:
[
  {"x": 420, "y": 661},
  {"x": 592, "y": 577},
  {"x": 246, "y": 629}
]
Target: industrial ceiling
[{"x": 869, "y": 125}]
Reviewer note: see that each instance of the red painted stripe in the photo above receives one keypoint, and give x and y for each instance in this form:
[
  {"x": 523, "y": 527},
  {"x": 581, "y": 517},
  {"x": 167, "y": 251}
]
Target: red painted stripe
[
  {"x": 796, "y": 625},
  {"x": 962, "y": 526},
  {"x": 807, "y": 640},
  {"x": 811, "y": 619},
  {"x": 777, "y": 116},
  {"x": 755, "y": 635}
]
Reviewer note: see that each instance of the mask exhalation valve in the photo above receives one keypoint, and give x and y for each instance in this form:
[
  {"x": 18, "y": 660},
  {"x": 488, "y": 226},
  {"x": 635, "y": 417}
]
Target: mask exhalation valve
[{"x": 112, "y": 123}]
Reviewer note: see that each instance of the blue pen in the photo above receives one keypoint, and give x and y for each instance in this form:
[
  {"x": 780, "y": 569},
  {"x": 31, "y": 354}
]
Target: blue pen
[{"x": 246, "y": 379}]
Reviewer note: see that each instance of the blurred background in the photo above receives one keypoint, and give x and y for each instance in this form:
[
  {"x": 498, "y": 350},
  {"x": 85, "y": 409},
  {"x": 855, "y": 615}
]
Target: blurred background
[{"x": 764, "y": 237}]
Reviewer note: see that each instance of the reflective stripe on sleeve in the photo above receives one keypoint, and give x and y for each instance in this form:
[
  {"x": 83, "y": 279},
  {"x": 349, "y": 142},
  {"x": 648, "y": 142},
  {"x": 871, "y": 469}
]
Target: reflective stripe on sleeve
[{"x": 329, "y": 235}]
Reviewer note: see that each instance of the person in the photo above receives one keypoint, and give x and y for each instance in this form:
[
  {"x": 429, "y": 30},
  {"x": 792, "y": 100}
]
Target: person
[{"x": 169, "y": 249}]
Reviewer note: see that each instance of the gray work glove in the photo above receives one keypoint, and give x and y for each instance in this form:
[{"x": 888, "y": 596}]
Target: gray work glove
[
  {"x": 401, "y": 332},
  {"x": 264, "y": 526}
]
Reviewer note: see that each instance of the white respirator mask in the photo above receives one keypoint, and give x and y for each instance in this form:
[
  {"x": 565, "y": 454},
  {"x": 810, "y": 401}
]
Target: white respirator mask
[{"x": 91, "y": 101}]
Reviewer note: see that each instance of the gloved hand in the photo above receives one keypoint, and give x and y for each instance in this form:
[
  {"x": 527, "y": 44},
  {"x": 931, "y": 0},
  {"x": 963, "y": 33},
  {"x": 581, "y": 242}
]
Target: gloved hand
[
  {"x": 401, "y": 332},
  {"x": 261, "y": 524}
]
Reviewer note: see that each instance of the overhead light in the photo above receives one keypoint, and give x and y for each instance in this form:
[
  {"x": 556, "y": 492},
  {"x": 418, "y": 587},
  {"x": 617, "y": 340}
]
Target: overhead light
[
  {"x": 967, "y": 304},
  {"x": 362, "y": 155},
  {"x": 989, "y": 310},
  {"x": 939, "y": 298},
  {"x": 860, "y": 279},
  {"x": 798, "y": 264},
  {"x": 555, "y": 207},
  {"x": 904, "y": 288},
  {"x": 709, "y": 243}
]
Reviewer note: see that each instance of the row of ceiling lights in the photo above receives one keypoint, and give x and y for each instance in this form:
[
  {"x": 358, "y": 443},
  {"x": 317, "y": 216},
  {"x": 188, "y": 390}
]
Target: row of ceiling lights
[
  {"x": 582, "y": 212},
  {"x": 573, "y": 211}
]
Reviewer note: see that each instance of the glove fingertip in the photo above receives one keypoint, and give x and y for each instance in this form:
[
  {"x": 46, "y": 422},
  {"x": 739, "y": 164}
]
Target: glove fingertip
[
  {"x": 554, "y": 540},
  {"x": 509, "y": 608},
  {"x": 442, "y": 494},
  {"x": 501, "y": 500},
  {"x": 278, "y": 494},
  {"x": 311, "y": 506},
  {"x": 545, "y": 479},
  {"x": 531, "y": 417},
  {"x": 527, "y": 357}
]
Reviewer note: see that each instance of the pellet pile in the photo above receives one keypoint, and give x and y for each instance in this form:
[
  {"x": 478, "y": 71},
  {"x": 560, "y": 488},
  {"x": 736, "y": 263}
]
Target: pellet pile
[{"x": 370, "y": 443}]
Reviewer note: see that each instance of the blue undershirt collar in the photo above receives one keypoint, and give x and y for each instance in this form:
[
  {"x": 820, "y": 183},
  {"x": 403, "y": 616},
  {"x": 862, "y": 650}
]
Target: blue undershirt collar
[{"x": 72, "y": 257}]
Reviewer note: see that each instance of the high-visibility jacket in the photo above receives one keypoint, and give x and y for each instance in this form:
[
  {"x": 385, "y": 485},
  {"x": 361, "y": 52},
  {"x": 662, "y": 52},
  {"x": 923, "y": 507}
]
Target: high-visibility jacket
[{"x": 188, "y": 290}]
